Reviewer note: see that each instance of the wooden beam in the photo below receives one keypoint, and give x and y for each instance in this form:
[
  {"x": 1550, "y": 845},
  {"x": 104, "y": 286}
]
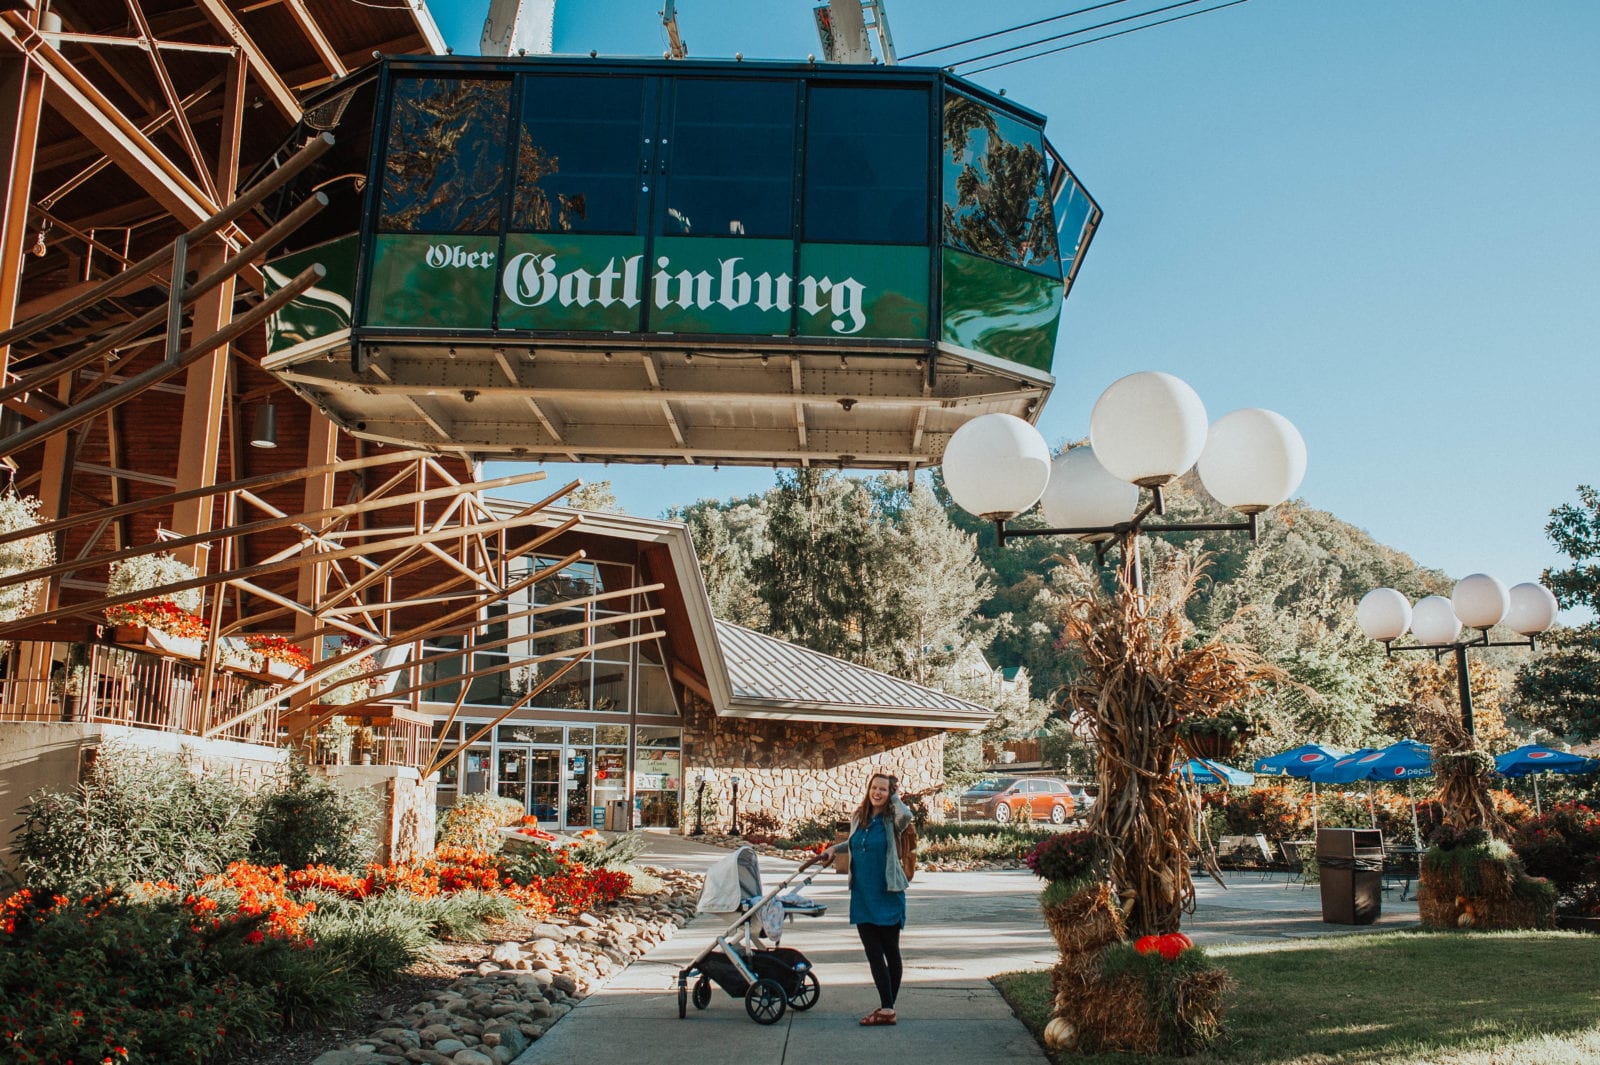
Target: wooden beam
[
  {"x": 318, "y": 39},
  {"x": 78, "y": 101},
  {"x": 266, "y": 75},
  {"x": 21, "y": 96}
]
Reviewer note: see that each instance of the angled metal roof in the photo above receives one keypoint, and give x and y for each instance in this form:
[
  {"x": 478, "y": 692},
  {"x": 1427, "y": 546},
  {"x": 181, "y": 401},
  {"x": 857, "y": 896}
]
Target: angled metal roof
[{"x": 772, "y": 678}]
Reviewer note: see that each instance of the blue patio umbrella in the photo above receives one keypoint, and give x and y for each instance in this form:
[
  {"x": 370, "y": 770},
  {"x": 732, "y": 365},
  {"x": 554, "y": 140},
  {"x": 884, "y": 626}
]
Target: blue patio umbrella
[
  {"x": 1405, "y": 760},
  {"x": 1532, "y": 760},
  {"x": 1205, "y": 771},
  {"x": 1299, "y": 762}
]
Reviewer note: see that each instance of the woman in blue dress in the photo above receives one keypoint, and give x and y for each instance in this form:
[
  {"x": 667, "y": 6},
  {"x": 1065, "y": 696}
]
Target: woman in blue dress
[{"x": 877, "y": 886}]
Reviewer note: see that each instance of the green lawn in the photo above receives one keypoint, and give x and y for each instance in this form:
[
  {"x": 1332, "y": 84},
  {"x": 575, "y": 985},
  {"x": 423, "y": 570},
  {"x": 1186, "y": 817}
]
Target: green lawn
[{"x": 1511, "y": 998}]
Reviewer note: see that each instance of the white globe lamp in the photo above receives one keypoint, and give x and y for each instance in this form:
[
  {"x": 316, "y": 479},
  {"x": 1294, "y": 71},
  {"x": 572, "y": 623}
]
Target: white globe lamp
[
  {"x": 1148, "y": 428},
  {"x": 1532, "y": 610},
  {"x": 1082, "y": 495},
  {"x": 1434, "y": 622},
  {"x": 1253, "y": 460},
  {"x": 1480, "y": 601},
  {"x": 1384, "y": 614},
  {"x": 996, "y": 466}
]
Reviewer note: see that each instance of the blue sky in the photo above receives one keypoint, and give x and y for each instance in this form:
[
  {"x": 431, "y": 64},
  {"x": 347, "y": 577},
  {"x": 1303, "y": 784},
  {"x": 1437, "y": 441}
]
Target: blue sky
[{"x": 1378, "y": 219}]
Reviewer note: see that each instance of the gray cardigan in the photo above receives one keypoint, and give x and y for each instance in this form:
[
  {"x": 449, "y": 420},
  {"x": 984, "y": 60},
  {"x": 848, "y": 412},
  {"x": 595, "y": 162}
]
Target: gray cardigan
[{"x": 894, "y": 875}]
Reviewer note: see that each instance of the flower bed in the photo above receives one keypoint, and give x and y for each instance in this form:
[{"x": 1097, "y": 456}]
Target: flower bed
[{"x": 160, "y": 972}]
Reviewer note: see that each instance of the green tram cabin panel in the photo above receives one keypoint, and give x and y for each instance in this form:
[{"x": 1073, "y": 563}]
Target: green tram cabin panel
[{"x": 861, "y": 233}]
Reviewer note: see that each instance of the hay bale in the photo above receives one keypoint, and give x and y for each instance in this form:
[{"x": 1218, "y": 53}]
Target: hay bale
[
  {"x": 1111, "y": 1016},
  {"x": 1500, "y": 896},
  {"x": 1086, "y": 922}
]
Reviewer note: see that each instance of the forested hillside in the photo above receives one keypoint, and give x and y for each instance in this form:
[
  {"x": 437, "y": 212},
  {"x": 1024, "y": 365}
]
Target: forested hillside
[{"x": 899, "y": 579}]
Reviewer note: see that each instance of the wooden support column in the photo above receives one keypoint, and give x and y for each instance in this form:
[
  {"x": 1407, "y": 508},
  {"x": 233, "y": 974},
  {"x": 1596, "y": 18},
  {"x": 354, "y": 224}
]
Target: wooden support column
[
  {"x": 21, "y": 96},
  {"x": 205, "y": 400},
  {"x": 322, "y": 449}
]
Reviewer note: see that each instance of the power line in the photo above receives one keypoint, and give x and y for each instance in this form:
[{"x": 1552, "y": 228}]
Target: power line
[
  {"x": 1070, "y": 33},
  {"x": 1013, "y": 29},
  {"x": 1106, "y": 37}
]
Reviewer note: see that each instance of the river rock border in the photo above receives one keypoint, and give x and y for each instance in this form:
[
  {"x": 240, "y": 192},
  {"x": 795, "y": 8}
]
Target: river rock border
[{"x": 491, "y": 1016}]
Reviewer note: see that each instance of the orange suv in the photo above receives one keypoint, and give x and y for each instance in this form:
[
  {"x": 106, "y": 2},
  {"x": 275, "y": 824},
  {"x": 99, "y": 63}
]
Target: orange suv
[{"x": 1003, "y": 798}]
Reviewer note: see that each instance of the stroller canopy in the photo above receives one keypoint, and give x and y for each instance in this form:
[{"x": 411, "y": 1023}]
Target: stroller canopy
[{"x": 730, "y": 881}]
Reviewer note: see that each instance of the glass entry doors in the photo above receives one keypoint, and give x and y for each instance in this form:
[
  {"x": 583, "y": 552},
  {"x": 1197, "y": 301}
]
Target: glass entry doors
[{"x": 532, "y": 776}]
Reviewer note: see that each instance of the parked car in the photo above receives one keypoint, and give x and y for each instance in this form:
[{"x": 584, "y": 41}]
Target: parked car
[
  {"x": 1083, "y": 797},
  {"x": 1004, "y": 798}
]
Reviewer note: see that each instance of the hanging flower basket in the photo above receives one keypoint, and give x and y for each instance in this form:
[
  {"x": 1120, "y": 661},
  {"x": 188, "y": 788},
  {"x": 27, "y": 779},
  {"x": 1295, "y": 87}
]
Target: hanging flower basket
[
  {"x": 1216, "y": 736},
  {"x": 149, "y": 639},
  {"x": 1212, "y": 746}
]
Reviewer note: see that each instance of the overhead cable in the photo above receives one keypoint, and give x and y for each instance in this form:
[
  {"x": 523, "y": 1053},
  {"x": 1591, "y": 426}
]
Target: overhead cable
[
  {"x": 1104, "y": 37},
  {"x": 1069, "y": 33},
  {"x": 1013, "y": 29}
]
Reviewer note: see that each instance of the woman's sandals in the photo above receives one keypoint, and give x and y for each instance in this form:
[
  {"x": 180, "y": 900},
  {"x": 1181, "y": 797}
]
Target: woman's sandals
[{"x": 877, "y": 1018}]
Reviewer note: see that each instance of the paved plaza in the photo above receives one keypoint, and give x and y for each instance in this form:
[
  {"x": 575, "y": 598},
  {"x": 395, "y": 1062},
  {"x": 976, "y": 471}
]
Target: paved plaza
[{"x": 961, "y": 929}]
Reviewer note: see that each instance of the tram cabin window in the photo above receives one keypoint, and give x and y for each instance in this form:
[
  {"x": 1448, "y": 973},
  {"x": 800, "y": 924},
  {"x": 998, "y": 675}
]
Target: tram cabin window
[
  {"x": 996, "y": 192},
  {"x": 579, "y": 156},
  {"x": 444, "y": 163},
  {"x": 730, "y": 159},
  {"x": 866, "y": 165}
]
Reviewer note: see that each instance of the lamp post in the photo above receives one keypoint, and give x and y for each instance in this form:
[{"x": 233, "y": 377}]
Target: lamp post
[
  {"x": 735, "y": 830},
  {"x": 699, "y": 806},
  {"x": 1145, "y": 431},
  {"x": 1477, "y": 602}
]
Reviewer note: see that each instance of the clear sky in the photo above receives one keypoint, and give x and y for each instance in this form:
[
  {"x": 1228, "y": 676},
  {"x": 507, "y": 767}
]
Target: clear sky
[{"x": 1378, "y": 219}]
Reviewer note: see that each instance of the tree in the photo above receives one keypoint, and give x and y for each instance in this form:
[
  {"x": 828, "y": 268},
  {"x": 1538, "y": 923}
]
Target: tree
[
  {"x": 1562, "y": 685},
  {"x": 728, "y": 537},
  {"x": 596, "y": 496},
  {"x": 935, "y": 585}
]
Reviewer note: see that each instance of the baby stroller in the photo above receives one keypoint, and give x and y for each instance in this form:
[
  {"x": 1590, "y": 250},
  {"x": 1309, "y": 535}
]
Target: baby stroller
[{"x": 769, "y": 978}]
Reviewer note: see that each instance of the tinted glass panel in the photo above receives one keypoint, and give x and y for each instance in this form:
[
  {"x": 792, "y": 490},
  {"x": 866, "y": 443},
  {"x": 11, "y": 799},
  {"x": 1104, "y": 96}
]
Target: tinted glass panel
[
  {"x": 996, "y": 196},
  {"x": 731, "y": 159},
  {"x": 867, "y": 166},
  {"x": 444, "y": 165},
  {"x": 578, "y": 157}
]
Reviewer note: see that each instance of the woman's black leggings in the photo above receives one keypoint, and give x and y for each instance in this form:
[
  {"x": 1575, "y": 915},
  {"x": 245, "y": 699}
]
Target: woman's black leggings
[{"x": 883, "y": 954}]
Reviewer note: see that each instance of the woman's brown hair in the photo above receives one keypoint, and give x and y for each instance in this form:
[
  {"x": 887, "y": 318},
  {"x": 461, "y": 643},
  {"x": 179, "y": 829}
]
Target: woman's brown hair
[{"x": 863, "y": 815}]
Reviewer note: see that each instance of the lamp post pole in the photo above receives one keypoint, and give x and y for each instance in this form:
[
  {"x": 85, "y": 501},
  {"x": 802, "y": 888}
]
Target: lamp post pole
[
  {"x": 735, "y": 830},
  {"x": 1478, "y": 602},
  {"x": 700, "y": 807}
]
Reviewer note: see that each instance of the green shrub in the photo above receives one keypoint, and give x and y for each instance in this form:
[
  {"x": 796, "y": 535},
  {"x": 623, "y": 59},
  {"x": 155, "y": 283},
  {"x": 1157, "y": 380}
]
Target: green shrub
[
  {"x": 1019, "y": 834},
  {"x": 465, "y": 915},
  {"x": 79, "y": 980},
  {"x": 526, "y": 865},
  {"x": 817, "y": 830},
  {"x": 308, "y": 820},
  {"x": 475, "y": 821},
  {"x": 136, "y": 816},
  {"x": 600, "y": 853},
  {"x": 371, "y": 938}
]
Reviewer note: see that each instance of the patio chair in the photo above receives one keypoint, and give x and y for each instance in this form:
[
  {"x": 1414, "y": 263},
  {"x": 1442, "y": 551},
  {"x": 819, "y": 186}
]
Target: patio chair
[
  {"x": 1293, "y": 855},
  {"x": 1400, "y": 865}
]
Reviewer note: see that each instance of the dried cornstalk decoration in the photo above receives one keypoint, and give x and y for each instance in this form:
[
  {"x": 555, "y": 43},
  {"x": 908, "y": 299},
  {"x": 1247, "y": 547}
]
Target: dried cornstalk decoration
[
  {"x": 1138, "y": 681},
  {"x": 1463, "y": 771}
]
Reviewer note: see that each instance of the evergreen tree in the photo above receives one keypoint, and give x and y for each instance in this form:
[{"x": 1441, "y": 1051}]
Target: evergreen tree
[
  {"x": 1562, "y": 685},
  {"x": 727, "y": 539}
]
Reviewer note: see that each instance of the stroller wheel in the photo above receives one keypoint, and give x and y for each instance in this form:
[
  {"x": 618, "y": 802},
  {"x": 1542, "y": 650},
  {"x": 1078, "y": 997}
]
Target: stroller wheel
[
  {"x": 807, "y": 994},
  {"x": 683, "y": 1000},
  {"x": 702, "y": 993},
  {"x": 765, "y": 1001}
]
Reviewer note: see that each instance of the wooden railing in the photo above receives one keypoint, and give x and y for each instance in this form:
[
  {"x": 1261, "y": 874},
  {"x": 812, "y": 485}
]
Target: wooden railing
[{"x": 118, "y": 686}]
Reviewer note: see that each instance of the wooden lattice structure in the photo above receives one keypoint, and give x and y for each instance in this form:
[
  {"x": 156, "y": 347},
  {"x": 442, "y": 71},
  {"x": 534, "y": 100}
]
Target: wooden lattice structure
[{"x": 140, "y": 141}]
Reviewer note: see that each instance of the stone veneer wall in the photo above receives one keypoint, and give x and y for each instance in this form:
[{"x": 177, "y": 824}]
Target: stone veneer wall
[
  {"x": 799, "y": 770},
  {"x": 406, "y": 806}
]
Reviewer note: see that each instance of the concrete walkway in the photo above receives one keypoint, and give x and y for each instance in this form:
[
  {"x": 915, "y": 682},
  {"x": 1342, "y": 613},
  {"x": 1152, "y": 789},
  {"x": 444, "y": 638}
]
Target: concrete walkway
[{"x": 961, "y": 929}]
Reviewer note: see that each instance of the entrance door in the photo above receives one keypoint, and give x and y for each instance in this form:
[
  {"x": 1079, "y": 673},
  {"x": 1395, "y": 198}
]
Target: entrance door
[
  {"x": 532, "y": 776},
  {"x": 579, "y": 808}
]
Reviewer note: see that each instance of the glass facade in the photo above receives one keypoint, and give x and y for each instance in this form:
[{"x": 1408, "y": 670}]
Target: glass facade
[{"x": 565, "y": 772}]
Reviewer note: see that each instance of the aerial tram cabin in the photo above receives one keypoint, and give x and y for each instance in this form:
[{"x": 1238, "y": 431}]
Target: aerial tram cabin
[{"x": 701, "y": 262}]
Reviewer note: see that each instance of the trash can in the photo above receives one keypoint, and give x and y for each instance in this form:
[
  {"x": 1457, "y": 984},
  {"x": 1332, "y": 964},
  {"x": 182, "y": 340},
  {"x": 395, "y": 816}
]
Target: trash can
[
  {"x": 617, "y": 815},
  {"x": 1350, "y": 866}
]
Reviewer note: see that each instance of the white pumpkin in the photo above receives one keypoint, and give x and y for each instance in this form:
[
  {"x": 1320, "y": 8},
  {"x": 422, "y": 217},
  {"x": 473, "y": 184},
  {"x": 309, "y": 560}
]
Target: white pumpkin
[{"x": 1059, "y": 1034}]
